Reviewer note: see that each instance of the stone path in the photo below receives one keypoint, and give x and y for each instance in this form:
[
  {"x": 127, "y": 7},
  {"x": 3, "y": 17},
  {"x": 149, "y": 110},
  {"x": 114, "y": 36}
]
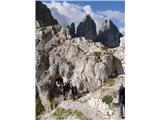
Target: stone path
[
  {"x": 84, "y": 108},
  {"x": 91, "y": 111}
]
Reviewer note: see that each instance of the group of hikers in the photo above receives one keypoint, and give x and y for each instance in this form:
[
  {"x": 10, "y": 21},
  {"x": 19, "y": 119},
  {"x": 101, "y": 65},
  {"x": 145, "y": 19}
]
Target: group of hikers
[{"x": 67, "y": 89}]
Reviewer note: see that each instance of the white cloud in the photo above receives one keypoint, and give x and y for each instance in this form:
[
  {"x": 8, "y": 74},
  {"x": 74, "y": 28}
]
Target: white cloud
[
  {"x": 66, "y": 13},
  {"x": 122, "y": 30},
  {"x": 113, "y": 15}
]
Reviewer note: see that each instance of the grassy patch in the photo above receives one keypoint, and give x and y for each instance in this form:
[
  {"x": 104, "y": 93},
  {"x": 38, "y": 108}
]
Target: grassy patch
[
  {"x": 109, "y": 81},
  {"x": 58, "y": 113},
  {"x": 68, "y": 112},
  {"x": 107, "y": 99},
  {"x": 39, "y": 106},
  {"x": 115, "y": 104},
  {"x": 61, "y": 113},
  {"x": 79, "y": 115}
]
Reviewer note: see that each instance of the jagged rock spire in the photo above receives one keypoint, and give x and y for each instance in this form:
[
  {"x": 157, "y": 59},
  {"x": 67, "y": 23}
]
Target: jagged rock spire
[
  {"x": 109, "y": 34},
  {"x": 43, "y": 15},
  {"x": 72, "y": 30},
  {"x": 87, "y": 28}
]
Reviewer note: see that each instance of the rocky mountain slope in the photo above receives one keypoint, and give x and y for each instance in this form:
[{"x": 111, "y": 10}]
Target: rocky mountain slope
[
  {"x": 85, "y": 63},
  {"x": 91, "y": 105}
]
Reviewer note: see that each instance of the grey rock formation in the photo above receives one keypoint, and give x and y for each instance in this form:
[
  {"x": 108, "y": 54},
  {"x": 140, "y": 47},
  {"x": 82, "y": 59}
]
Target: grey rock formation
[
  {"x": 87, "y": 28},
  {"x": 72, "y": 30},
  {"x": 85, "y": 63},
  {"x": 109, "y": 34},
  {"x": 43, "y": 15},
  {"x": 120, "y": 52}
]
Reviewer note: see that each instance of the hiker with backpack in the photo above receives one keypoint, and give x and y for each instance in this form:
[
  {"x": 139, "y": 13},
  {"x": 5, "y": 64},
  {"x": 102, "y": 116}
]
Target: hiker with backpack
[{"x": 121, "y": 99}]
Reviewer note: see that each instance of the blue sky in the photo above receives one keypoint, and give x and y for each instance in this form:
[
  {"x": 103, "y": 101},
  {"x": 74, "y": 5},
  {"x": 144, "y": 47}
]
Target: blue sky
[
  {"x": 99, "y": 5},
  {"x": 114, "y": 10},
  {"x": 103, "y": 5}
]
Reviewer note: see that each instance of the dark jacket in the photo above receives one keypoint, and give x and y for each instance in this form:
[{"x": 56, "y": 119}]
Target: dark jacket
[{"x": 121, "y": 94}]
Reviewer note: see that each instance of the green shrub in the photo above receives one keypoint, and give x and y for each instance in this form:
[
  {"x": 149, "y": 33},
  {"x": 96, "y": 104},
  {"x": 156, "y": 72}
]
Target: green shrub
[
  {"x": 107, "y": 99},
  {"x": 68, "y": 112},
  {"x": 39, "y": 106},
  {"x": 58, "y": 113},
  {"x": 79, "y": 115},
  {"x": 109, "y": 81},
  {"x": 61, "y": 113}
]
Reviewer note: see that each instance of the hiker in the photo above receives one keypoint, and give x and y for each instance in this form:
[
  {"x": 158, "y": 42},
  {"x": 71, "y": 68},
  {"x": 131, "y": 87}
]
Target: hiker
[
  {"x": 59, "y": 85},
  {"x": 64, "y": 90},
  {"x": 75, "y": 90},
  {"x": 71, "y": 92},
  {"x": 121, "y": 99}
]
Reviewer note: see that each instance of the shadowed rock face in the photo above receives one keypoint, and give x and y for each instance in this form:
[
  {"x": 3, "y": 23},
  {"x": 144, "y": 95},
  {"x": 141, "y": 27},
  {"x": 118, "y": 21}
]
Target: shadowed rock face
[
  {"x": 72, "y": 30},
  {"x": 43, "y": 15},
  {"x": 109, "y": 34},
  {"x": 118, "y": 66},
  {"x": 87, "y": 28},
  {"x": 42, "y": 63}
]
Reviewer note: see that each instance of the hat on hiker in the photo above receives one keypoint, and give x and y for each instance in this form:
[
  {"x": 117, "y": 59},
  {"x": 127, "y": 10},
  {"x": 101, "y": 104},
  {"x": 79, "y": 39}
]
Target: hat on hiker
[{"x": 121, "y": 85}]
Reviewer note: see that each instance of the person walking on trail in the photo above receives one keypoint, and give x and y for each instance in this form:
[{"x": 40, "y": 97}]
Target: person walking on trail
[
  {"x": 71, "y": 92},
  {"x": 64, "y": 90},
  {"x": 121, "y": 99}
]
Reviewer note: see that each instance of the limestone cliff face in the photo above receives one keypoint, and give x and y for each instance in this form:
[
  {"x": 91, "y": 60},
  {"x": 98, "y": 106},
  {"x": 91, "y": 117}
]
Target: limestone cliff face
[
  {"x": 43, "y": 15},
  {"x": 87, "y": 28},
  {"x": 120, "y": 52},
  {"x": 109, "y": 34},
  {"x": 85, "y": 63}
]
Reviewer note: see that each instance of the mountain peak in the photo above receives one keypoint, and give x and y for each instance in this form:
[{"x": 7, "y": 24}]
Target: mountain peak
[
  {"x": 107, "y": 24},
  {"x": 87, "y": 28},
  {"x": 109, "y": 34},
  {"x": 87, "y": 18},
  {"x": 43, "y": 15}
]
